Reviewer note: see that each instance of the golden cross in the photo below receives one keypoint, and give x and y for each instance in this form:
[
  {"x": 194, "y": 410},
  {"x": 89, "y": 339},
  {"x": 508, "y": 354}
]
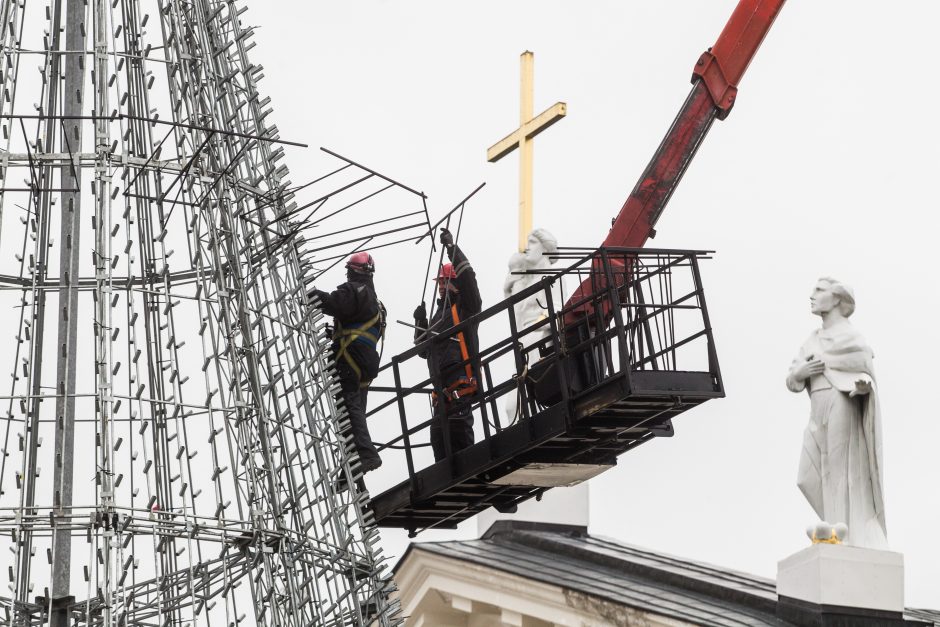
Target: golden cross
[{"x": 522, "y": 138}]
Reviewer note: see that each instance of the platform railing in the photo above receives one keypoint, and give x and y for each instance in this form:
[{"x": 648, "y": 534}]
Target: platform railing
[{"x": 646, "y": 312}]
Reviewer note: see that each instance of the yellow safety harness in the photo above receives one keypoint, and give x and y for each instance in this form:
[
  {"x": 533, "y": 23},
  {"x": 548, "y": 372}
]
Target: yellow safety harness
[{"x": 369, "y": 332}]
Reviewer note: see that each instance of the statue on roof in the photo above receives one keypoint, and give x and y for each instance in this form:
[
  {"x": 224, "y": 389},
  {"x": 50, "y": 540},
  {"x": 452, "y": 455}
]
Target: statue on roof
[
  {"x": 539, "y": 245},
  {"x": 841, "y": 467},
  {"x": 524, "y": 271}
]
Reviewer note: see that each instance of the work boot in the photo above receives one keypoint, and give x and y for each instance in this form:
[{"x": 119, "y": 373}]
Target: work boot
[{"x": 341, "y": 485}]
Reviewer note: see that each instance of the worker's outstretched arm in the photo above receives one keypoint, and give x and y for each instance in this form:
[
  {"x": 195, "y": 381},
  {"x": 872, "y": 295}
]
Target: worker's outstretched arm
[
  {"x": 466, "y": 280},
  {"x": 343, "y": 302}
]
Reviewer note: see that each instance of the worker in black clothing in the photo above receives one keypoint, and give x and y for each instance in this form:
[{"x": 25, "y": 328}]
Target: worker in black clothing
[
  {"x": 452, "y": 359},
  {"x": 359, "y": 323}
]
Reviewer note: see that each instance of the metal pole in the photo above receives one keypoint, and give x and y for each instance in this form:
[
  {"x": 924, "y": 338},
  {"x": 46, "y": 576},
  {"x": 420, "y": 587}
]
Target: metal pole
[
  {"x": 68, "y": 309},
  {"x": 41, "y": 204},
  {"x": 104, "y": 304}
]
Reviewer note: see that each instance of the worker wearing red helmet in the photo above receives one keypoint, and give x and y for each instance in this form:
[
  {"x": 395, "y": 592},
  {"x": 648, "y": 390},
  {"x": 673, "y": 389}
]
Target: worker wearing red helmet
[
  {"x": 359, "y": 324},
  {"x": 452, "y": 363}
]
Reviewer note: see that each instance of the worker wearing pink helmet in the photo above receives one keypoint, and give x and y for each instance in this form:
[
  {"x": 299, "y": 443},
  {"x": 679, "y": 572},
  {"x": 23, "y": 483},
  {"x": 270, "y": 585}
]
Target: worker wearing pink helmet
[
  {"x": 452, "y": 358},
  {"x": 359, "y": 324}
]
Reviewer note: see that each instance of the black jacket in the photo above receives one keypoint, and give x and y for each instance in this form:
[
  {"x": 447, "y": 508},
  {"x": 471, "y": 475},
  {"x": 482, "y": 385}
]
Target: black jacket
[
  {"x": 445, "y": 356},
  {"x": 352, "y": 303}
]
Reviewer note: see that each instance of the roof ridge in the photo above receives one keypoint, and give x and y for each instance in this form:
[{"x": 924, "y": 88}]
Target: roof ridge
[
  {"x": 705, "y": 566},
  {"x": 762, "y": 600}
]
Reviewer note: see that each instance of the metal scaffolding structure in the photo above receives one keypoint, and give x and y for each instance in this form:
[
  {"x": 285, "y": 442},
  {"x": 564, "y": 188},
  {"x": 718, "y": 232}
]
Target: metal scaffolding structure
[{"x": 171, "y": 450}]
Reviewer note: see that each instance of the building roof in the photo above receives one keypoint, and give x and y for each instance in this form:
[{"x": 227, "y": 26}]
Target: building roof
[{"x": 599, "y": 567}]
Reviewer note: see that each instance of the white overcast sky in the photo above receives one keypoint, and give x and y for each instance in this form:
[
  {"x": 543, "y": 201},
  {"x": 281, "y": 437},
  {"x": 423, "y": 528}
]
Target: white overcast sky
[{"x": 826, "y": 166}]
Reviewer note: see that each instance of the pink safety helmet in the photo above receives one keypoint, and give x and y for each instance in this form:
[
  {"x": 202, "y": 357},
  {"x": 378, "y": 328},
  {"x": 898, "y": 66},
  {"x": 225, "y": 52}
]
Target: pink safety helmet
[{"x": 361, "y": 263}]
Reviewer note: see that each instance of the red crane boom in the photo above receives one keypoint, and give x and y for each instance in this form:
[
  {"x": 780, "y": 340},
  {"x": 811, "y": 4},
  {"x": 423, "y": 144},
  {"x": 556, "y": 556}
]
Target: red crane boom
[{"x": 715, "y": 79}]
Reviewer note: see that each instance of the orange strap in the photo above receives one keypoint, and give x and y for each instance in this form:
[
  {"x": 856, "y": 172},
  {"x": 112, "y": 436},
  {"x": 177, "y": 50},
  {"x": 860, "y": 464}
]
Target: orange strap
[
  {"x": 458, "y": 389},
  {"x": 464, "y": 386},
  {"x": 464, "y": 352}
]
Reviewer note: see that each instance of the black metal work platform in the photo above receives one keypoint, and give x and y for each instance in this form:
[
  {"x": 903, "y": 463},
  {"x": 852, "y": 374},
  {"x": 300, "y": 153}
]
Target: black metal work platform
[{"x": 594, "y": 379}]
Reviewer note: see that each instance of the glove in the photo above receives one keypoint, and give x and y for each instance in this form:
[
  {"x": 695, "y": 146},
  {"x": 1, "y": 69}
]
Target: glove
[
  {"x": 421, "y": 313},
  {"x": 446, "y": 238}
]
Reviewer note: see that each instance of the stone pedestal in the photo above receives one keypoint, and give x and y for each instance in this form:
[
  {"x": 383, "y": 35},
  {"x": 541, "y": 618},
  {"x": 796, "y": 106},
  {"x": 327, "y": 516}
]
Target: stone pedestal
[{"x": 833, "y": 584}]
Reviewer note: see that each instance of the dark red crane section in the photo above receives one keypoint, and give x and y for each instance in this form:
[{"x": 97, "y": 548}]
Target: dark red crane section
[{"x": 715, "y": 79}]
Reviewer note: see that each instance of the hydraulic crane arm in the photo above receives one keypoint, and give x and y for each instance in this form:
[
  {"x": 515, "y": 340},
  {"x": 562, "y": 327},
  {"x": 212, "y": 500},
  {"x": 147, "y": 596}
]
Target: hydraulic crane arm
[{"x": 715, "y": 79}]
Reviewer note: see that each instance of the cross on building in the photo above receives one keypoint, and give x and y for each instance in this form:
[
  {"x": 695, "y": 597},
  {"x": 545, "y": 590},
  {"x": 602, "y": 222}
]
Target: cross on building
[{"x": 522, "y": 137}]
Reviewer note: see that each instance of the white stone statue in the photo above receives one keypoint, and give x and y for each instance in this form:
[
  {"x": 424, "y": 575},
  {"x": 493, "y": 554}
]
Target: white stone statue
[
  {"x": 534, "y": 257},
  {"x": 841, "y": 471},
  {"x": 539, "y": 244}
]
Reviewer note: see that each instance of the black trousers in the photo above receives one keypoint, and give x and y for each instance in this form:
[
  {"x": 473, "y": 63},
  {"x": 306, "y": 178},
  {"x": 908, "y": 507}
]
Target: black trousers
[
  {"x": 459, "y": 423},
  {"x": 354, "y": 397}
]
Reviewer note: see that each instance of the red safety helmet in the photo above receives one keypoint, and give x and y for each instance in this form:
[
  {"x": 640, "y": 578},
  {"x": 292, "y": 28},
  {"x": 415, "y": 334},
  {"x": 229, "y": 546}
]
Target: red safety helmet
[
  {"x": 361, "y": 263},
  {"x": 447, "y": 273}
]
